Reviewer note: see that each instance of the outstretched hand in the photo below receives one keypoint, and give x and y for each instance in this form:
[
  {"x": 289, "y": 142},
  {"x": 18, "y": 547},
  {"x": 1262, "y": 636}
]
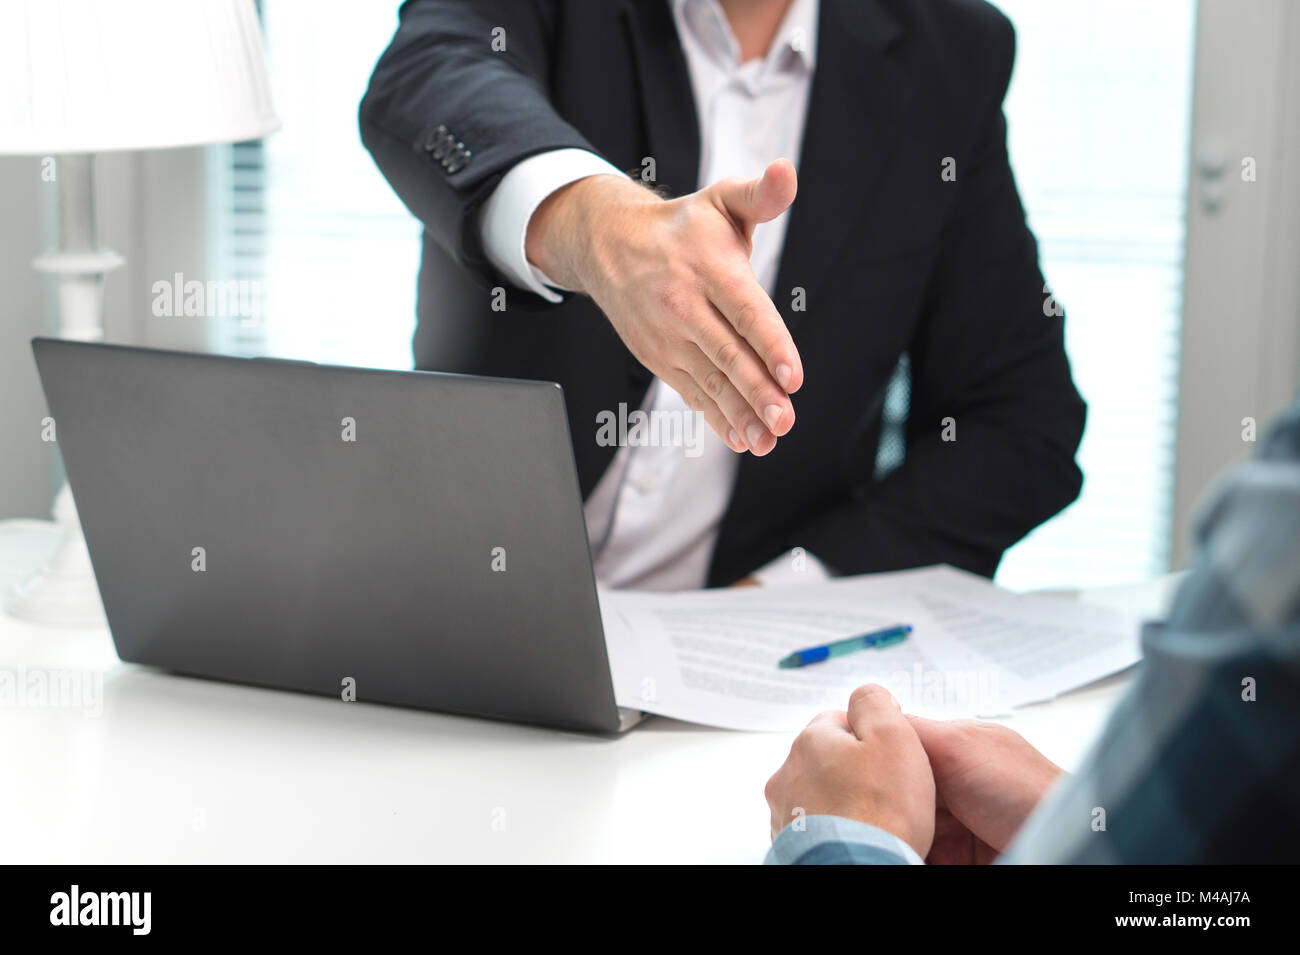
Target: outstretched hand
[{"x": 675, "y": 281}]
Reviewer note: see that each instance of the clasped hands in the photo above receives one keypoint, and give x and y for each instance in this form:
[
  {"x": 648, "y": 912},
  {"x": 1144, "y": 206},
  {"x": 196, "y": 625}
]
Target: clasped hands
[{"x": 955, "y": 791}]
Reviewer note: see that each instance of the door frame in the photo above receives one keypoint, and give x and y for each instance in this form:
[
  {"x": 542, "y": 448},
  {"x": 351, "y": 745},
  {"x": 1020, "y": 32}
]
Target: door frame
[{"x": 1240, "y": 351}]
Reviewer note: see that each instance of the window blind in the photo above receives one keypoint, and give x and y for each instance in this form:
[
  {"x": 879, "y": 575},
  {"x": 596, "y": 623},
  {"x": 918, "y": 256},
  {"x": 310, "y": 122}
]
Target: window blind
[
  {"x": 1099, "y": 117},
  {"x": 306, "y": 216}
]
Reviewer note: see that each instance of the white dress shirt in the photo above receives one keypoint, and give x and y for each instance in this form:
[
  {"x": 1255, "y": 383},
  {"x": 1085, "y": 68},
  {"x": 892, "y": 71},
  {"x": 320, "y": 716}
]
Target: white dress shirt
[{"x": 653, "y": 517}]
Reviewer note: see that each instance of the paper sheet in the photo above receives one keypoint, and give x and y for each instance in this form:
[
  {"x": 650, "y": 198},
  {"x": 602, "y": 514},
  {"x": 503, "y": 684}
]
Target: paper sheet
[{"x": 711, "y": 656}]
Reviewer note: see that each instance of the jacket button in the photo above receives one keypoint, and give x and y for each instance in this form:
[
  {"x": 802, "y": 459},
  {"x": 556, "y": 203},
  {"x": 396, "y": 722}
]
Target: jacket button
[{"x": 437, "y": 136}]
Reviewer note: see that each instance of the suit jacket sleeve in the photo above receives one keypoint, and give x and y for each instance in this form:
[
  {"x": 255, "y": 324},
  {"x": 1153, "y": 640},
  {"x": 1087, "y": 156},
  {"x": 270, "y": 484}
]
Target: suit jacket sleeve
[
  {"x": 478, "y": 71},
  {"x": 987, "y": 357}
]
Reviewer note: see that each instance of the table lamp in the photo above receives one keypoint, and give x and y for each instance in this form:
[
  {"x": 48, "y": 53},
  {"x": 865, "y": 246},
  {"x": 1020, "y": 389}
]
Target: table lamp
[{"x": 80, "y": 77}]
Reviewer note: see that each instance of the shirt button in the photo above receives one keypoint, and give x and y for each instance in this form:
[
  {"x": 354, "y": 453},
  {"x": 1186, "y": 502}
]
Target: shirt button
[{"x": 645, "y": 483}]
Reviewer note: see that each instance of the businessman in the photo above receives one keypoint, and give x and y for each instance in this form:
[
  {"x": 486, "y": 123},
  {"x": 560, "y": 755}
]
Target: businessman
[
  {"x": 1200, "y": 763},
  {"x": 608, "y": 193}
]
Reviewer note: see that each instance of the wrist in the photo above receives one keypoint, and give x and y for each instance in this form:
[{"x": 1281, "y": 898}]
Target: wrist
[
  {"x": 916, "y": 832},
  {"x": 564, "y": 228}
]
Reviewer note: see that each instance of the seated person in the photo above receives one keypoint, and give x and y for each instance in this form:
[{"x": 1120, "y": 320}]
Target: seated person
[
  {"x": 1200, "y": 762},
  {"x": 701, "y": 290}
]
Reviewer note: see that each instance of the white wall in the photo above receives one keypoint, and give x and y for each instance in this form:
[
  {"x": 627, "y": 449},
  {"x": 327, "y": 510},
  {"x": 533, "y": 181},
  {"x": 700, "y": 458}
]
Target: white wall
[
  {"x": 25, "y": 475},
  {"x": 151, "y": 209}
]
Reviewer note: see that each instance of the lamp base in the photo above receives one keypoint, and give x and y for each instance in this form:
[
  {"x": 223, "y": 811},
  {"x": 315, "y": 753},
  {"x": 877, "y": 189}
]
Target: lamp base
[{"x": 63, "y": 593}]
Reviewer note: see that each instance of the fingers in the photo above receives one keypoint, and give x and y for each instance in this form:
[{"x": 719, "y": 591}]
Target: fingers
[
  {"x": 871, "y": 708},
  {"x": 829, "y": 719},
  {"x": 944, "y": 739},
  {"x": 694, "y": 395},
  {"x": 954, "y": 746},
  {"x": 747, "y": 202},
  {"x": 737, "y": 293},
  {"x": 735, "y": 381},
  {"x": 928, "y": 729},
  {"x": 681, "y": 293},
  {"x": 751, "y": 315}
]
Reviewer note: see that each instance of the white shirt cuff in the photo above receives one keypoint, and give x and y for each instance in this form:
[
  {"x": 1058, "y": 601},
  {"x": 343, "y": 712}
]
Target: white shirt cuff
[
  {"x": 794, "y": 567},
  {"x": 504, "y": 220}
]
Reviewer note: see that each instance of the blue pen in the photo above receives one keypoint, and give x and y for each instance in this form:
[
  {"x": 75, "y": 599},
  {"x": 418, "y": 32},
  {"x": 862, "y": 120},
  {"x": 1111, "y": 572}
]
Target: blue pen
[{"x": 876, "y": 640}]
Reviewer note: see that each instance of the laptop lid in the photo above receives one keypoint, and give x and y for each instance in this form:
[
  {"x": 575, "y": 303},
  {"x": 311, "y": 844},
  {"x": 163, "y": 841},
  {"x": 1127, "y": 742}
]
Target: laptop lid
[{"x": 415, "y": 536}]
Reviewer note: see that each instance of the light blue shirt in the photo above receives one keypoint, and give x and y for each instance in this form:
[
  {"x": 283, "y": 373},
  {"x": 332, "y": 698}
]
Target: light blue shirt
[{"x": 824, "y": 840}]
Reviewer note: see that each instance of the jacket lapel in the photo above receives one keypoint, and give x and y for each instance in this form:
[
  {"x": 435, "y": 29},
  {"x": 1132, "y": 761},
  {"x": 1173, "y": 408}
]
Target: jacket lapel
[
  {"x": 854, "y": 111},
  {"x": 672, "y": 129}
]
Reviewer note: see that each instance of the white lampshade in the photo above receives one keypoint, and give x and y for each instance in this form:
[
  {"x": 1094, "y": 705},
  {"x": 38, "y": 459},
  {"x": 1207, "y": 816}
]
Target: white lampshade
[{"x": 89, "y": 76}]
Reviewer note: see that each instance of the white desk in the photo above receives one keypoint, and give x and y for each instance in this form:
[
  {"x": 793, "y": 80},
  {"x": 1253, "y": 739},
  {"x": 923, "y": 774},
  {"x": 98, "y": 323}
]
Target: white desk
[{"x": 185, "y": 770}]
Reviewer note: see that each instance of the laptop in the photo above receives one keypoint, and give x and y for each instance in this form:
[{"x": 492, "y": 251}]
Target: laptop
[{"x": 399, "y": 537}]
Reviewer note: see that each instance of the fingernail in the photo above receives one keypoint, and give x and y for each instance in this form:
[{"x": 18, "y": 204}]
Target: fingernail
[
  {"x": 772, "y": 414},
  {"x": 755, "y": 434},
  {"x": 783, "y": 374},
  {"x": 733, "y": 439}
]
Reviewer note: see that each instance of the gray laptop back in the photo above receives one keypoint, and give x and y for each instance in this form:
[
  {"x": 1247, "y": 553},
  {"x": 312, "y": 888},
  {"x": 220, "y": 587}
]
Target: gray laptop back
[{"x": 416, "y": 536}]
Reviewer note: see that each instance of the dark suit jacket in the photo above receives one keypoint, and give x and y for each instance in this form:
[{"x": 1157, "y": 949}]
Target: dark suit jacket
[{"x": 892, "y": 259}]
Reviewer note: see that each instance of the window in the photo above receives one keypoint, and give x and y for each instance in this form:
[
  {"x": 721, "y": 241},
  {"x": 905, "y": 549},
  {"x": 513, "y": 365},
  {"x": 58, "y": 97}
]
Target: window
[
  {"x": 1099, "y": 117},
  {"x": 305, "y": 213}
]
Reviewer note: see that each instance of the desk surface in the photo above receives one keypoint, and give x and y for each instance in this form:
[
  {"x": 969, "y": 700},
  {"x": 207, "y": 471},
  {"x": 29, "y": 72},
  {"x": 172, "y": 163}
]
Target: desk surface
[{"x": 172, "y": 769}]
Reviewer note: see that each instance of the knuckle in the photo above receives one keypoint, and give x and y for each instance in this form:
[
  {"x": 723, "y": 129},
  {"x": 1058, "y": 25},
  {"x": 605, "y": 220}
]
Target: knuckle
[
  {"x": 870, "y": 693},
  {"x": 758, "y": 395},
  {"x": 731, "y": 282},
  {"x": 715, "y": 383},
  {"x": 697, "y": 217},
  {"x": 827, "y": 716},
  {"x": 745, "y": 318},
  {"x": 735, "y": 183},
  {"x": 861, "y": 693},
  {"x": 674, "y": 300},
  {"x": 727, "y": 355}
]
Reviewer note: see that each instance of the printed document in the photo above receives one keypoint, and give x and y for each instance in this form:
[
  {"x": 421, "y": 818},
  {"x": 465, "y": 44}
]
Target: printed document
[{"x": 711, "y": 656}]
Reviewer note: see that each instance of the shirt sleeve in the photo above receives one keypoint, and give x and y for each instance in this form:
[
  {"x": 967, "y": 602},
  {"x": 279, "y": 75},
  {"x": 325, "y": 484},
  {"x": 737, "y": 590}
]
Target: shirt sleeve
[
  {"x": 834, "y": 840},
  {"x": 505, "y": 216}
]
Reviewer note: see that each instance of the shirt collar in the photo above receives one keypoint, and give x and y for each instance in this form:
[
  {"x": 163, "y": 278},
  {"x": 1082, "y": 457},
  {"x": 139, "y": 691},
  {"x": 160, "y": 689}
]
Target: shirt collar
[{"x": 795, "y": 41}]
